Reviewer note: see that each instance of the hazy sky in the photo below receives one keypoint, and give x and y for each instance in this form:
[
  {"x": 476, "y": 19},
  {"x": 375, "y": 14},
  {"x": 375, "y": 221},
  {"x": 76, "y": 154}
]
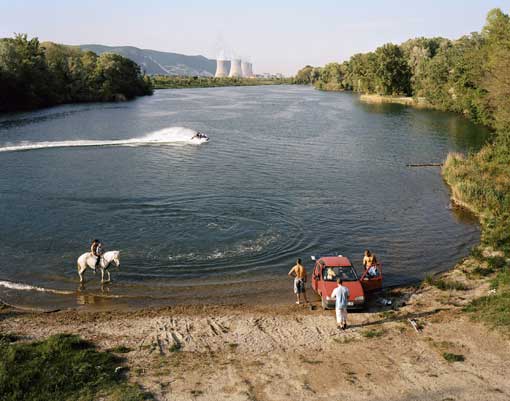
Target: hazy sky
[{"x": 278, "y": 36}]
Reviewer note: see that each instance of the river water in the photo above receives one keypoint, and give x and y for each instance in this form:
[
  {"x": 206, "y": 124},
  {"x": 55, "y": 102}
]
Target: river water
[{"x": 288, "y": 172}]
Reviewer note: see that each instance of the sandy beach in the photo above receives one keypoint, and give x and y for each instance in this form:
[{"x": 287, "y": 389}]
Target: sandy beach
[{"x": 278, "y": 352}]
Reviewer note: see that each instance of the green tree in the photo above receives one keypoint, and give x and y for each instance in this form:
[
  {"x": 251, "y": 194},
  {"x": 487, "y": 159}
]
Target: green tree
[
  {"x": 304, "y": 75},
  {"x": 497, "y": 81},
  {"x": 392, "y": 74},
  {"x": 25, "y": 74}
]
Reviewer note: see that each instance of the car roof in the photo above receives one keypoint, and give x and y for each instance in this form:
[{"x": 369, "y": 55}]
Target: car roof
[{"x": 336, "y": 261}]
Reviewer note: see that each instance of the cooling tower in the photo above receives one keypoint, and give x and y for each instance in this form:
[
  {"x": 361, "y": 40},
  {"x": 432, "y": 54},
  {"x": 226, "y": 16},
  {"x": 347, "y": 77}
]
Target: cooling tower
[
  {"x": 246, "y": 69},
  {"x": 235, "y": 68},
  {"x": 221, "y": 68}
]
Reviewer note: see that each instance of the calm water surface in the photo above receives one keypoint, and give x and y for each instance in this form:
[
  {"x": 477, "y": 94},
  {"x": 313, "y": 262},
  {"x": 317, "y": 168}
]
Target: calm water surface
[{"x": 288, "y": 172}]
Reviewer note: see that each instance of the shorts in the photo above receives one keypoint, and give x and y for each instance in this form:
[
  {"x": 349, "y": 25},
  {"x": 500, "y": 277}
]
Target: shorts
[
  {"x": 299, "y": 286},
  {"x": 341, "y": 315}
]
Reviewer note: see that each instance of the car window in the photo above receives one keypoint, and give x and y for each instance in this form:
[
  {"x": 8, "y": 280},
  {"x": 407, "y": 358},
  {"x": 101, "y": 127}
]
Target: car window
[{"x": 345, "y": 273}]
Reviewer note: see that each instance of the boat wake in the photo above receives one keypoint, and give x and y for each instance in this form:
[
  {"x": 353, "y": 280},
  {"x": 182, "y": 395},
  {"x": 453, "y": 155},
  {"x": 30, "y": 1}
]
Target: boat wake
[{"x": 165, "y": 136}]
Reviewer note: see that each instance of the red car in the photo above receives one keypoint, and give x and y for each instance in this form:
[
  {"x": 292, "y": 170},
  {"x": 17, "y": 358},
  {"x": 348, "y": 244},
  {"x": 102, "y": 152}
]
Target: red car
[{"x": 326, "y": 271}]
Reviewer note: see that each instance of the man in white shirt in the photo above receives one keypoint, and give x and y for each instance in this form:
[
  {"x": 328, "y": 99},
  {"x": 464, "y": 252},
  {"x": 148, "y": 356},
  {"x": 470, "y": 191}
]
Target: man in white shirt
[{"x": 341, "y": 294}]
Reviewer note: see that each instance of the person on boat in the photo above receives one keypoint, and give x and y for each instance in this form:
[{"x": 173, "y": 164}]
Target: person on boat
[
  {"x": 370, "y": 263},
  {"x": 97, "y": 250},
  {"x": 298, "y": 271}
]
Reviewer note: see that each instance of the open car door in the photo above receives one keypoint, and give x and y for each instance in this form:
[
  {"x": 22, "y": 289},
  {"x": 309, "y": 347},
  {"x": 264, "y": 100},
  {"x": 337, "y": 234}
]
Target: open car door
[{"x": 371, "y": 283}]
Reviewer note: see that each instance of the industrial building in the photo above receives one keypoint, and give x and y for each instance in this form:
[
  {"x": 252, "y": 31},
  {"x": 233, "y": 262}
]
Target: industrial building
[
  {"x": 221, "y": 68},
  {"x": 246, "y": 69},
  {"x": 235, "y": 69},
  {"x": 238, "y": 69}
]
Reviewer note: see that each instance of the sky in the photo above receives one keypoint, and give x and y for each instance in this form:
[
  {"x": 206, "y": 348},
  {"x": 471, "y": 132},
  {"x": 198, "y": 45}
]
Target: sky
[{"x": 277, "y": 36}]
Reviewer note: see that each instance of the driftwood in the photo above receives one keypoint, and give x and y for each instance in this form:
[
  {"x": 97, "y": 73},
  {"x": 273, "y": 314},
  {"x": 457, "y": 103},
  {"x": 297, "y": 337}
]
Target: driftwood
[{"x": 425, "y": 165}]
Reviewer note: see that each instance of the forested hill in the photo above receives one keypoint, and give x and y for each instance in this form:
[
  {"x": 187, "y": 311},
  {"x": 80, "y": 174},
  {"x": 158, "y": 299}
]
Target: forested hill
[
  {"x": 469, "y": 75},
  {"x": 160, "y": 63},
  {"x": 34, "y": 74}
]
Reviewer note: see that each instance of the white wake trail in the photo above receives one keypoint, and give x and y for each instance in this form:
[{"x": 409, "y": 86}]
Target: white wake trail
[{"x": 166, "y": 136}]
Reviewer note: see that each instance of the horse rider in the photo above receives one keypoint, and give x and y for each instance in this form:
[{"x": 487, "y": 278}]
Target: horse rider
[{"x": 96, "y": 250}]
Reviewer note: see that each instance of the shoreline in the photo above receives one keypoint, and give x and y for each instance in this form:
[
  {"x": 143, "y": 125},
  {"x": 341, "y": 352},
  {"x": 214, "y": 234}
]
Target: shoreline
[{"x": 273, "y": 352}]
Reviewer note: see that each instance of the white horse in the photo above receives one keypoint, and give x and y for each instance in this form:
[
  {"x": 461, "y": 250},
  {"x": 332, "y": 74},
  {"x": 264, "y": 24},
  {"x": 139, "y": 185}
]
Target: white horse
[{"x": 87, "y": 260}]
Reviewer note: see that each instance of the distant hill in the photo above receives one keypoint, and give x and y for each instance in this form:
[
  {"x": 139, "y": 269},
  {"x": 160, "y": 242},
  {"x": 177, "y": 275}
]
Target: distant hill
[{"x": 161, "y": 63}]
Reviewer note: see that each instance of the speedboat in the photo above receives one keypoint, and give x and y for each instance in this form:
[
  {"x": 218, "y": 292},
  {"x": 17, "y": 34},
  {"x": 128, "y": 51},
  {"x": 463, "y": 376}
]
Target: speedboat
[{"x": 199, "y": 138}]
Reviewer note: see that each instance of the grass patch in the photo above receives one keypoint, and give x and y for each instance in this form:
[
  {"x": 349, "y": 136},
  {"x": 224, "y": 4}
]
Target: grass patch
[
  {"x": 476, "y": 253},
  {"x": 175, "y": 347},
  {"x": 62, "y": 367},
  {"x": 493, "y": 309},
  {"x": 479, "y": 271},
  {"x": 309, "y": 361},
  {"x": 387, "y": 314},
  {"x": 7, "y": 338},
  {"x": 121, "y": 349},
  {"x": 373, "y": 333},
  {"x": 496, "y": 262},
  {"x": 502, "y": 280},
  {"x": 453, "y": 357},
  {"x": 444, "y": 284}
]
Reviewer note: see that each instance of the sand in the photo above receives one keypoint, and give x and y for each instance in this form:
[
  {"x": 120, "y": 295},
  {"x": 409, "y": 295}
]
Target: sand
[{"x": 291, "y": 352}]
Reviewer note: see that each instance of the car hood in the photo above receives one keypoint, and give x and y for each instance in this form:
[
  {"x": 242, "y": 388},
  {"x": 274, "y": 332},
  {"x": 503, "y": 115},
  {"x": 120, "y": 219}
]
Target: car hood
[{"x": 355, "y": 288}]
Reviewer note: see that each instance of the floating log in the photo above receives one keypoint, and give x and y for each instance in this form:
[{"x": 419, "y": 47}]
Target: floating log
[{"x": 425, "y": 165}]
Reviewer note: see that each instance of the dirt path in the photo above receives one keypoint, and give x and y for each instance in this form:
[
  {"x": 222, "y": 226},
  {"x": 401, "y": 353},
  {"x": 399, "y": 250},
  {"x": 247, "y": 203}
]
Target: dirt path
[{"x": 292, "y": 352}]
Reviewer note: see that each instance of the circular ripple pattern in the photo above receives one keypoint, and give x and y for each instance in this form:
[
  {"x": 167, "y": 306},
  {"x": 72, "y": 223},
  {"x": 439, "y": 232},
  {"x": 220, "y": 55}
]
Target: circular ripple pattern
[{"x": 210, "y": 236}]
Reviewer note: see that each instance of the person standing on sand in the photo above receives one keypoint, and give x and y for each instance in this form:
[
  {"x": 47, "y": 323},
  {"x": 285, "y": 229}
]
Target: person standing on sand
[
  {"x": 341, "y": 294},
  {"x": 298, "y": 271}
]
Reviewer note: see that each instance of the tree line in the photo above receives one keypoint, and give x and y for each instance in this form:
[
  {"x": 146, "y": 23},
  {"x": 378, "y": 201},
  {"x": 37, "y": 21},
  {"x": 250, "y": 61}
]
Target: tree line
[
  {"x": 178, "y": 82},
  {"x": 34, "y": 74},
  {"x": 470, "y": 75}
]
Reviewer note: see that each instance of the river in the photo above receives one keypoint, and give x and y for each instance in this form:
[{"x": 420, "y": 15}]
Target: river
[{"x": 288, "y": 172}]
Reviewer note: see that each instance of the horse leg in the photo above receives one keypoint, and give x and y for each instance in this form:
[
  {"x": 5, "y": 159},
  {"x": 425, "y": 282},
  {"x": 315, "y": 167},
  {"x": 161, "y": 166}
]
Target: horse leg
[
  {"x": 102, "y": 275},
  {"x": 80, "y": 273},
  {"x": 108, "y": 276}
]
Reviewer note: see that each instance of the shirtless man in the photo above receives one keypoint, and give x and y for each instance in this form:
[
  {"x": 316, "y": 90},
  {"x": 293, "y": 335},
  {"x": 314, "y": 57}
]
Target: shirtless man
[
  {"x": 370, "y": 263},
  {"x": 298, "y": 271}
]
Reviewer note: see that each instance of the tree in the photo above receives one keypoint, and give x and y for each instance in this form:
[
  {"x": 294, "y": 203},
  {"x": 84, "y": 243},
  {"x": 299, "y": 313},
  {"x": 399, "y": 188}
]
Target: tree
[
  {"x": 304, "y": 75},
  {"x": 497, "y": 81},
  {"x": 25, "y": 74},
  {"x": 393, "y": 75}
]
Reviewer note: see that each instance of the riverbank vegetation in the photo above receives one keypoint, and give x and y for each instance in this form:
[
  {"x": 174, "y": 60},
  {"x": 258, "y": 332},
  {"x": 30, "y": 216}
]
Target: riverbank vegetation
[
  {"x": 61, "y": 367},
  {"x": 34, "y": 74},
  {"x": 180, "y": 82},
  {"x": 468, "y": 75}
]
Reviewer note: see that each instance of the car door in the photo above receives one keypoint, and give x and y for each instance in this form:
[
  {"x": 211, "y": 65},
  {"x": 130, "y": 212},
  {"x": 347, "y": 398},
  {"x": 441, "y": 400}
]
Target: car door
[
  {"x": 316, "y": 277},
  {"x": 372, "y": 283}
]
